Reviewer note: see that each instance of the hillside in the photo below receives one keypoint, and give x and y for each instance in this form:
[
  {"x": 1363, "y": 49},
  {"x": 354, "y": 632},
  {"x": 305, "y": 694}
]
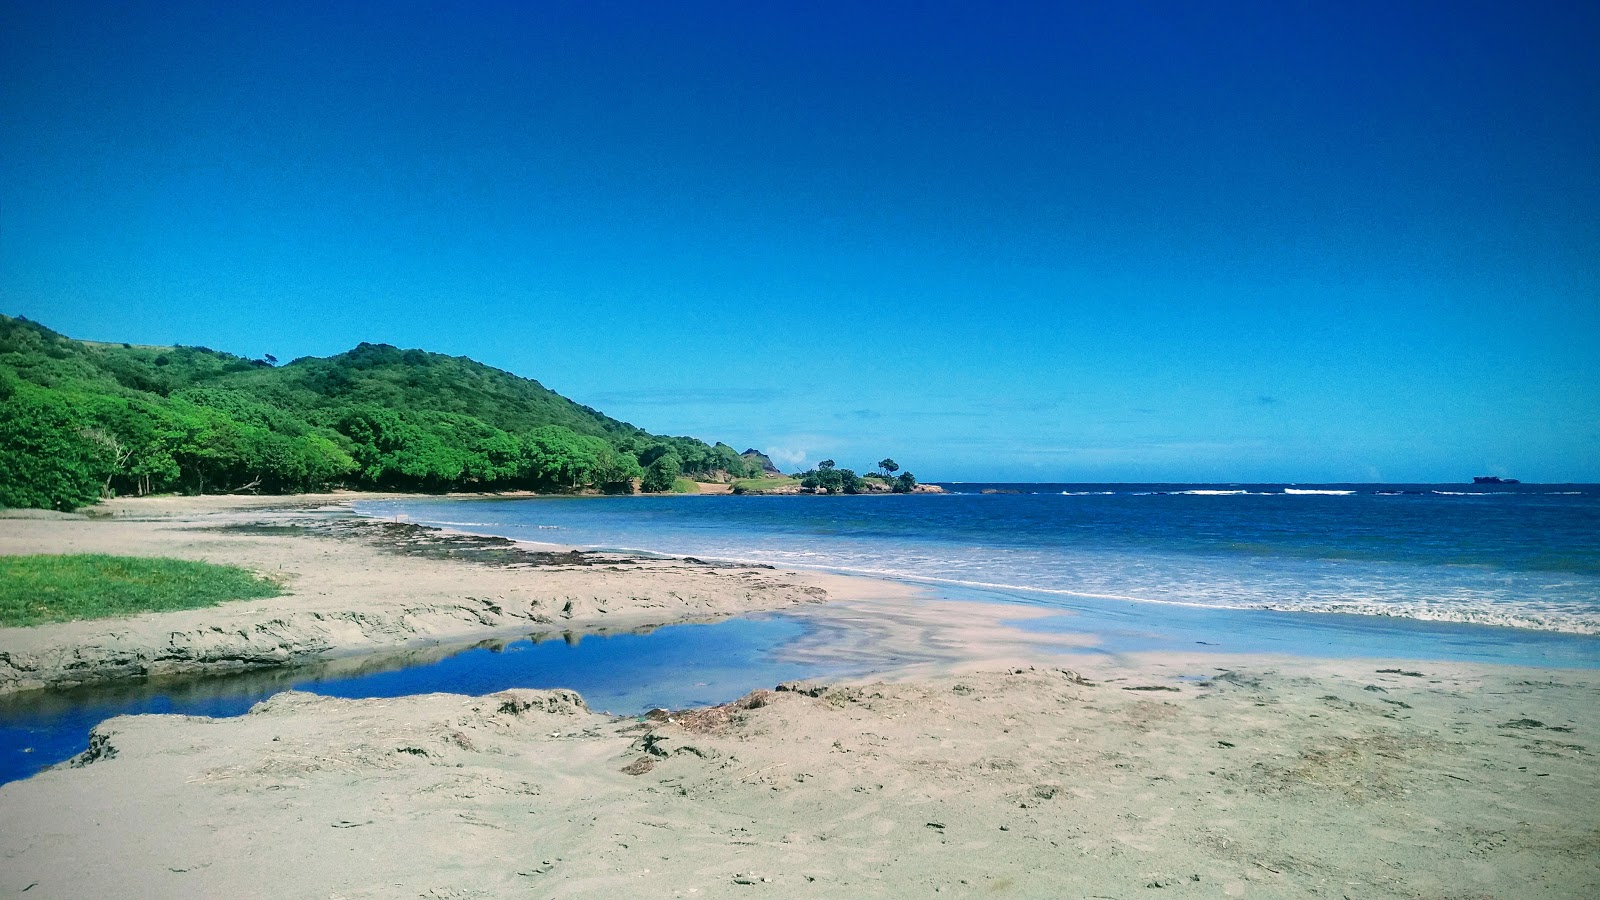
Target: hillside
[{"x": 80, "y": 419}]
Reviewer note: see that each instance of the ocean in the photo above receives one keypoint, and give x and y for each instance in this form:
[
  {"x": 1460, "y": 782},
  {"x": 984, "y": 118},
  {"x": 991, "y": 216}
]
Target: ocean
[
  {"x": 1517, "y": 556},
  {"x": 1507, "y": 575}
]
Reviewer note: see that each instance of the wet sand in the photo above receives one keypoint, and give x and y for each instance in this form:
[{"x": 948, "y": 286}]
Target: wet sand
[
  {"x": 357, "y": 585},
  {"x": 989, "y": 761}
]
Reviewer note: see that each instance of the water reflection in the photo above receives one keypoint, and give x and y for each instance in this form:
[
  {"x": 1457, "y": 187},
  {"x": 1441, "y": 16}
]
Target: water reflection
[{"x": 623, "y": 671}]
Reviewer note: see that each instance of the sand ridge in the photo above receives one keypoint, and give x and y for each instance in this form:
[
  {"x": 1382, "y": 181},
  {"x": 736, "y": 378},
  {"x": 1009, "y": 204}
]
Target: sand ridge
[{"x": 1260, "y": 780}]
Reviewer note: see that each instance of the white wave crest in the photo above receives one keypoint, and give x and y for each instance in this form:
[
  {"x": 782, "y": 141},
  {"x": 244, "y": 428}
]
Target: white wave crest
[{"x": 1330, "y": 493}]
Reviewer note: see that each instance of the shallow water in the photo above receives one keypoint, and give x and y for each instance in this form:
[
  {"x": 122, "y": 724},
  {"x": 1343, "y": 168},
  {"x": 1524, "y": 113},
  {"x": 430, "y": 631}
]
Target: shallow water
[
  {"x": 1409, "y": 576},
  {"x": 673, "y": 667},
  {"x": 1525, "y": 556}
]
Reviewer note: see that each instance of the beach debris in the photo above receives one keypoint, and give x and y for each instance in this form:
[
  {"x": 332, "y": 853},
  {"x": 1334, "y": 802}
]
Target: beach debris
[
  {"x": 1534, "y": 723},
  {"x": 803, "y": 688},
  {"x": 1075, "y": 678},
  {"x": 662, "y": 746},
  {"x": 718, "y": 719},
  {"x": 1375, "y": 689},
  {"x": 100, "y": 747},
  {"x": 1237, "y": 678},
  {"x": 344, "y": 823},
  {"x": 1151, "y": 687},
  {"x": 1401, "y": 672},
  {"x": 1225, "y": 744},
  {"x": 936, "y": 825},
  {"x": 755, "y": 773}
]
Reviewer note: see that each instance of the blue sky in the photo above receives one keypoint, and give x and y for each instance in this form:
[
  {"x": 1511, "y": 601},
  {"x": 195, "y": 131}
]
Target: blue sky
[{"x": 1102, "y": 241}]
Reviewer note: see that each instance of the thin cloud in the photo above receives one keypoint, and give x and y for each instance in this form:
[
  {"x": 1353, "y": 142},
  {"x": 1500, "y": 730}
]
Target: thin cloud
[{"x": 686, "y": 397}]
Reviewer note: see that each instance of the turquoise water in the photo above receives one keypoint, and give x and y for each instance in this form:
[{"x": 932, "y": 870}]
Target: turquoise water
[
  {"x": 1524, "y": 556},
  {"x": 1508, "y": 576}
]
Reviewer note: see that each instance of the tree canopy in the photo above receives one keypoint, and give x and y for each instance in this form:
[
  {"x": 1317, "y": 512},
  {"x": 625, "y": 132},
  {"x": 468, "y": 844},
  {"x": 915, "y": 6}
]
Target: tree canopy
[{"x": 80, "y": 419}]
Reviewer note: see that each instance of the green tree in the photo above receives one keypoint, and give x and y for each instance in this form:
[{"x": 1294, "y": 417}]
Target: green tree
[
  {"x": 850, "y": 482},
  {"x": 661, "y": 473},
  {"x": 46, "y": 458},
  {"x": 888, "y": 466},
  {"x": 905, "y": 484}
]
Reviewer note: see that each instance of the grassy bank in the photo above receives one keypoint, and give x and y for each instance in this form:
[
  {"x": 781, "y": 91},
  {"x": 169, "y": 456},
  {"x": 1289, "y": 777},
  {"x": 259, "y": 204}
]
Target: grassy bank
[{"x": 39, "y": 589}]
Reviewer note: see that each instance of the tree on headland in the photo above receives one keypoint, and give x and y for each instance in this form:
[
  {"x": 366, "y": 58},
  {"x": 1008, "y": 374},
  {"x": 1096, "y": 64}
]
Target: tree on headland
[
  {"x": 905, "y": 484},
  {"x": 888, "y": 466},
  {"x": 661, "y": 473},
  {"x": 832, "y": 479},
  {"x": 144, "y": 420}
]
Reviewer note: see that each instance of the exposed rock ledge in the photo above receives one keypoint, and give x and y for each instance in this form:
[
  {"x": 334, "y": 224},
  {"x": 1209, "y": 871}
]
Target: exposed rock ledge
[{"x": 354, "y": 586}]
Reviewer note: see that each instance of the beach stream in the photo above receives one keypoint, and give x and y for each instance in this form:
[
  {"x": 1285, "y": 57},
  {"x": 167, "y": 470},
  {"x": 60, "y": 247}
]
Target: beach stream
[{"x": 970, "y": 568}]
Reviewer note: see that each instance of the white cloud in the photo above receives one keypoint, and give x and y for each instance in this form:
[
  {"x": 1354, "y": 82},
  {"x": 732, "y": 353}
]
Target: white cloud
[{"x": 786, "y": 458}]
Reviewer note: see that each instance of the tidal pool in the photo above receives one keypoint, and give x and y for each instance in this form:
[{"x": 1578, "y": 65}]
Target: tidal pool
[{"x": 673, "y": 666}]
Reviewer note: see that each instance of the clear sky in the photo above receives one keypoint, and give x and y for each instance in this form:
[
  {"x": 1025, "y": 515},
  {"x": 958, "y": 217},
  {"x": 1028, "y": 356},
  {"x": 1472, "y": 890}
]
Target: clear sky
[{"x": 1074, "y": 241}]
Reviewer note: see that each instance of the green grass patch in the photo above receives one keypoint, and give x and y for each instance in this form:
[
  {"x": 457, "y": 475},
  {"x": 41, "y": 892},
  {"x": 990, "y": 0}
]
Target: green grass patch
[
  {"x": 764, "y": 484},
  {"x": 681, "y": 485},
  {"x": 39, "y": 589}
]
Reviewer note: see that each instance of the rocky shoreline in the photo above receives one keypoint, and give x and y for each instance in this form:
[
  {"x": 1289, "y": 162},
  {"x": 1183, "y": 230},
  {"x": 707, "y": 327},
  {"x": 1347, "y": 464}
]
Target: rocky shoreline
[{"x": 355, "y": 586}]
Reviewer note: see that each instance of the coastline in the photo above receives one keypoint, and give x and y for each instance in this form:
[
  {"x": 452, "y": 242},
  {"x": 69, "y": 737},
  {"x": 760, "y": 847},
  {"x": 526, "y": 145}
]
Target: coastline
[
  {"x": 356, "y": 585},
  {"x": 1261, "y": 779},
  {"x": 990, "y": 760}
]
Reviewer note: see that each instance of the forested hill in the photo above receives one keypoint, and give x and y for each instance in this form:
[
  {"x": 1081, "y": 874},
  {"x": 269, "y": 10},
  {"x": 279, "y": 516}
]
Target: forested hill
[{"x": 79, "y": 420}]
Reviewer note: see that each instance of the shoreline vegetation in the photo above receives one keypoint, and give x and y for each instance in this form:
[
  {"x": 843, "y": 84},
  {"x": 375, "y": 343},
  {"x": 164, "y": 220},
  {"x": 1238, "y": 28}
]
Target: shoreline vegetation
[
  {"x": 351, "y": 585},
  {"x": 46, "y": 588},
  {"x": 82, "y": 421},
  {"x": 979, "y": 758},
  {"x": 992, "y": 760}
]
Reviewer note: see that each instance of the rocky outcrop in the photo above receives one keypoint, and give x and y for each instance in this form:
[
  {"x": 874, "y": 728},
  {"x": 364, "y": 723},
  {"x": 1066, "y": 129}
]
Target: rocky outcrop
[{"x": 756, "y": 456}]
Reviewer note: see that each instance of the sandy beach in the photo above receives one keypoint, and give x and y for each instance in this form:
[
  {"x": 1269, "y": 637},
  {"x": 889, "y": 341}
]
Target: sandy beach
[
  {"x": 352, "y": 586},
  {"x": 989, "y": 762}
]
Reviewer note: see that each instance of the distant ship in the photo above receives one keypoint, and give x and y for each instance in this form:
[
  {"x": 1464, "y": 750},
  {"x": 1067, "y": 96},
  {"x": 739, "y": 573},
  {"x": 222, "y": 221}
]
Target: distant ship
[{"x": 1493, "y": 479}]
